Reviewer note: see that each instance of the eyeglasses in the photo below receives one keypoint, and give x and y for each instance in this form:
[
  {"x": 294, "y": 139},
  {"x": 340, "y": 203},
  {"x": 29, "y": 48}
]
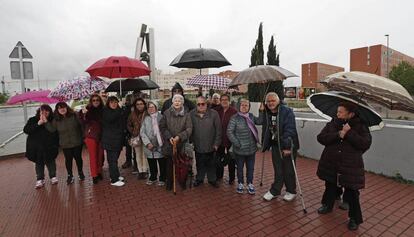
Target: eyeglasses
[
  {"x": 96, "y": 100},
  {"x": 201, "y": 104}
]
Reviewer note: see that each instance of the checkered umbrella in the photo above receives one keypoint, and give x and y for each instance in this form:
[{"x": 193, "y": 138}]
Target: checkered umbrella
[
  {"x": 77, "y": 88},
  {"x": 215, "y": 82}
]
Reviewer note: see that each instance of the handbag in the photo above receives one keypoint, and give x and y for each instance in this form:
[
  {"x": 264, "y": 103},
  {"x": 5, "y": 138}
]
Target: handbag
[{"x": 135, "y": 141}]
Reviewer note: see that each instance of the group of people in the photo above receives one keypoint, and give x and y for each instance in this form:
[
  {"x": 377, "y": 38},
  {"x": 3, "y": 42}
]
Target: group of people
[{"x": 216, "y": 131}]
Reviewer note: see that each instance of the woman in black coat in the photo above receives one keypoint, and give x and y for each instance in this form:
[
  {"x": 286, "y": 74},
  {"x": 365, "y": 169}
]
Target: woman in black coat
[
  {"x": 113, "y": 136},
  {"x": 42, "y": 145},
  {"x": 345, "y": 139}
]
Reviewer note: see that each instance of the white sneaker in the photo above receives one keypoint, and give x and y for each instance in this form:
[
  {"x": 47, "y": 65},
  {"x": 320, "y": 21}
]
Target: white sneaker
[
  {"x": 39, "y": 184},
  {"x": 161, "y": 183},
  {"x": 150, "y": 182},
  {"x": 268, "y": 196},
  {"x": 120, "y": 178},
  {"x": 54, "y": 180},
  {"x": 118, "y": 183},
  {"x": 289, "y": 196}
]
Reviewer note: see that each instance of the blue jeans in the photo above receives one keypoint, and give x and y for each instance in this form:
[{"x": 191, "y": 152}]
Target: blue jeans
[{"x": 249, "y": 160}]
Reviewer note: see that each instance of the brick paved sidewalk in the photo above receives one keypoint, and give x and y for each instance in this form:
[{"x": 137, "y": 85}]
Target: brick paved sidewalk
[{"x": 84, "y": 209}]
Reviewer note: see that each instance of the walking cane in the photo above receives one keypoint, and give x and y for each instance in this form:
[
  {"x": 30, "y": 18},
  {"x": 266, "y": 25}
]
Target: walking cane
[
  {"x": 296, "y": 175},
  {"x": 173, "y": 160},
  {"x": 263, "y": 161}
]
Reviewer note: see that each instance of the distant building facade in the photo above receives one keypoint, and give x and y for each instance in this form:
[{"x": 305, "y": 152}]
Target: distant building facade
[
  {"x": 167, "y": 81},
  {"x": 313, "y": 73},
  {"x": 373, "y": 59}
]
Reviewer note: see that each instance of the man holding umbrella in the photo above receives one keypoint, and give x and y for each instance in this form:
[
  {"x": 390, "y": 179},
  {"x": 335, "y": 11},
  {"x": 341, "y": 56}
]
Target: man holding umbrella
[
  {"x": 279, "y": 130},
  {"x": 345, "y": 138}
]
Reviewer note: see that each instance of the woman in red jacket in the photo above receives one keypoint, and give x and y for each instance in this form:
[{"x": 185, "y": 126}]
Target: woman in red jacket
[{"x": 91, "y": 117}]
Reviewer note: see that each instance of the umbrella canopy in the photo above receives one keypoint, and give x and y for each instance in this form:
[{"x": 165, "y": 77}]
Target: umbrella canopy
[
  {"x": 132, "y": 85},
  {"x": 326, "y": 104},
  {"x": 38, "y": 96},
  {"x": 261, "y": 74},
  {"x": 372, "y": 87},
  {"x": 78, "y": 88},
  {"x": 118, "y": 67},
  {"x": 200, "y": 58},
  {"x": 209, "y": 82}
]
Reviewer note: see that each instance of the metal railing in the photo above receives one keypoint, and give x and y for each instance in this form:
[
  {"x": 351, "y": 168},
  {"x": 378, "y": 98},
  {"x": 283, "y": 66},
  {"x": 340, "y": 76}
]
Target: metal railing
[{"x": 11, "y": 139}]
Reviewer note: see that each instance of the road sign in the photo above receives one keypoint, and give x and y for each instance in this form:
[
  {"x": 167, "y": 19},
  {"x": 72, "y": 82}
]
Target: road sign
[
  {"x": 15, "y": 70},
  {"x": 15, "y": 52}
]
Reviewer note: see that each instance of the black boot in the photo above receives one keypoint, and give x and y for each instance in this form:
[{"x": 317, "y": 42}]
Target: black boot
[
  {"x": 81, "y": 176},
  {"x": 352, "y": 225},
  {"x": 70, "y": 179},
  {"x": 95, "y": 180},
  {"x": 100, "y": 177},
  {"x": 324, "y": 209}
]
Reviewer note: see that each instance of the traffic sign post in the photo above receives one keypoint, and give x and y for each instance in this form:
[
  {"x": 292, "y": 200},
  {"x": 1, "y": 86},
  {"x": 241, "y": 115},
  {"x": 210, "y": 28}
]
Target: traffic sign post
[{"x": 23, "y": 70}]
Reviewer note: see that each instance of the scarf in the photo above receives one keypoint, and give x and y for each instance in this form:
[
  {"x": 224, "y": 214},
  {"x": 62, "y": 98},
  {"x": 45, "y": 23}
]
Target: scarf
[
  {"x": 178, "y": 113},
  {"x": 250, "y": 124},
  {"x": 155, "y": 128}
]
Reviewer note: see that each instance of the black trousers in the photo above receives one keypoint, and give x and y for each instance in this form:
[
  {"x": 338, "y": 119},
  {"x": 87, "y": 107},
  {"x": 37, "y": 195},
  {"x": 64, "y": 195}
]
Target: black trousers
[
  {"x": 350, "y": 196},
  {"x": 231, "y": 166},
  {"x": 206, "y": 163},
  {"x": 70, "y": 154},
  {"x": 112, "y": 157},
  {"x": 152, "y": 162},
  {"x": 130, "y": 155},
  {"x": 40, "y": 169},
  {"x": 284, "y": 173}
]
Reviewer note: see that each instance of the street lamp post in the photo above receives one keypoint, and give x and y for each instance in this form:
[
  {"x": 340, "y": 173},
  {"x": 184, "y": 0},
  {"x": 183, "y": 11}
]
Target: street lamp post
[{"x": 388, "y": 53}]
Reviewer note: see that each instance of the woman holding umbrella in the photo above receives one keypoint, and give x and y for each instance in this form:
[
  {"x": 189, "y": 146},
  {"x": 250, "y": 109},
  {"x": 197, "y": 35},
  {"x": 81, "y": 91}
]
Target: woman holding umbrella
[
  {"x": 113, "y": 125},
  {"x": 42, "y": 145},
  {"x": 346, "y": 138},
  {"x": 69, "y": 128},
  {"x": 176, "y": 128},
  {"x": 91, "y": 117},
  {"x": 135, "y": 120}
]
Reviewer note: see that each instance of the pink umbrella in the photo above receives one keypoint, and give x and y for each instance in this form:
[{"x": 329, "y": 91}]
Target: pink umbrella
[{"x": 38, "y": 96}]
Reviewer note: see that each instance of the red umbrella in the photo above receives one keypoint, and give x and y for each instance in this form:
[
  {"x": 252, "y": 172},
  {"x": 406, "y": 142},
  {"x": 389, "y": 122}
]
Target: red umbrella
[{"x": 118, "y": 67}]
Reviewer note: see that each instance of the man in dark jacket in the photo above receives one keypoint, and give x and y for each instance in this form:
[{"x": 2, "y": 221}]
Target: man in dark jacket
[
  {"x": 177, "y": 89},
  {"x": 279, "y": 131},
  {"x": 345, "y": 139},
  {"x": 225, "y": 112},
  {"x": 206, "y": 137}
]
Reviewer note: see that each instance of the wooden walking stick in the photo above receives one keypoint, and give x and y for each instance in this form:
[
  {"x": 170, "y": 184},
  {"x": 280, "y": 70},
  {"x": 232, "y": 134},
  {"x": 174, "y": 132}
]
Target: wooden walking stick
[{"x": 173, "y": 160}]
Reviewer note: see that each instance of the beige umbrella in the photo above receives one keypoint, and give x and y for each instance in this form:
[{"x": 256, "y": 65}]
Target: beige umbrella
[
  {"x": 261, "y": 74},
  {"x": 373, "y": 88}
]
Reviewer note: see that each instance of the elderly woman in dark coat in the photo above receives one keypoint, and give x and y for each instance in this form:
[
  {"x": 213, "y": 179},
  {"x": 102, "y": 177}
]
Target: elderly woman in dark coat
[
  {"x": 113, "y": 126},
  {"x": 345, "y": 139},
  {"x": 42, "y": 145},
  {"x": 176, "y": 127}
]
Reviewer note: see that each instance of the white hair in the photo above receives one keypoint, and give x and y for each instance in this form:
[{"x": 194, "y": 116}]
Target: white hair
[
  {"x": 216, "y": 95},
  {"x": 178, "y": 97},
  {"x": 273, "y": 94}
]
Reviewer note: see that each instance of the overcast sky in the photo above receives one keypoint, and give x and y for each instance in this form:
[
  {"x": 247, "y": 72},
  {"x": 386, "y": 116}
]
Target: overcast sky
[{"x": 65, "y": 37}]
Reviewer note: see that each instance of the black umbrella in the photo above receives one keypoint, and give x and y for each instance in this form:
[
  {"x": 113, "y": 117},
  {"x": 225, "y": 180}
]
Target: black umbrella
[
  {"x": 326, "y": 103},
  {"x": 200, "y": 58},
  {"x": 132, "y": 85}
]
